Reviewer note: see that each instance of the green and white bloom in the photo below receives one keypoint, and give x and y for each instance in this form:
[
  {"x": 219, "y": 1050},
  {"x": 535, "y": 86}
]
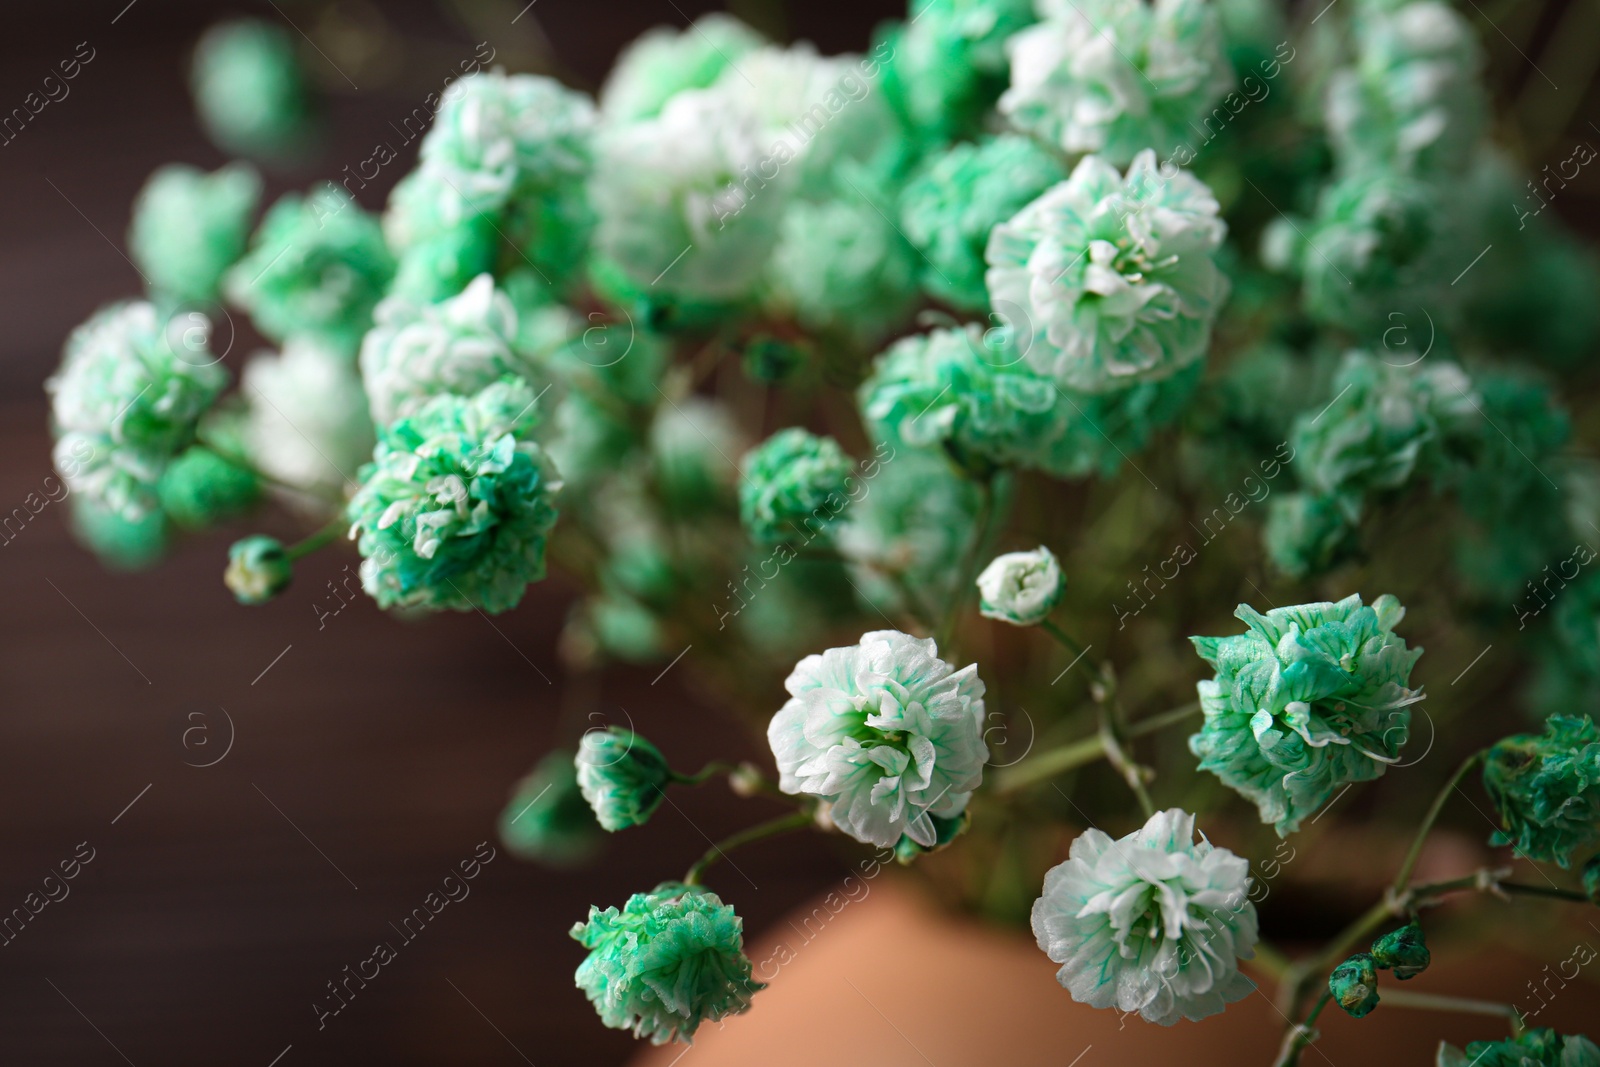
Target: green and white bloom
[
  {"x": 189, "y": 227},
  {"x": 253, "y": 96},
  {"x": 125, "y": 403},
  {"x": 1116, "y": 77},
  {"x": 258, "y": 569},
  {"x": 547, "y": 818},
  {"x": 454, "y": 510},
  {"x": 1546, "y": 788},
  {"x": 889, "y": 735},
  {"x": 306, "y": 420},
  {"x": 665, "y": 60},
  {"x": 793, "y": 486},
  {"x": 1021, "y": 588},
  {"x": 622, "y": 776},
  {"x": 669, "y": 960},
  {"x": 1153, "y": 922},
  {"x": 1539, "y": 1047},
  {"x": 1108, "y": 279},
  {"x": 1310, "y": 698}
]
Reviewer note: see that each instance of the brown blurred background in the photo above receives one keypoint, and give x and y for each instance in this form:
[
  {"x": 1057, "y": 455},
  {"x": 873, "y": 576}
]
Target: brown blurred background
[{"x": 371, "y": 755}]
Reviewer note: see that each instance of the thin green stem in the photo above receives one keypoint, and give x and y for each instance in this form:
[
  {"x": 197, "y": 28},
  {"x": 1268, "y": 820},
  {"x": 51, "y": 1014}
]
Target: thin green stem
[
  {"x": 1408, "y": 865},
  {"x": 772, "y": 828},
  {"x": 1080, "y": 753},
  {"x": 1301, "y": 1034},
  {"x": 1406, "y": 998},
  {"x": 1066, "y": 639},
  {"x": 706, "y": 773},
  {"x": 1131, "y": 772},
  {"x": 968, "y": 573},
  {"x": 309, "y": 544},
  {"x": 1152, "y": 723}
]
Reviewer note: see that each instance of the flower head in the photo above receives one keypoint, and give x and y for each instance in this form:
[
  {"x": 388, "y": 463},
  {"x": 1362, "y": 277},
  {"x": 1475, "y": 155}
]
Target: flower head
[
  {"x": 317, "y": 265},
  {"x": 189, "y": 227},
  {"x": 547, "y": 818},
  {"x": 1021, "y": 588},
  {"x": 124, "y": 403},
  {"x": 943, "y": 70},
  {"x": 306, "y": 423},
  {"x": 258, "y": 569},
  {"x": 1309, "y": 698},
  {"x": 1354, "y": 984},
  {"x": 1110, "y": 280},
  {"x": 1405, "y": 950},
  {"x": 454, "y": 509},
  {"x": 121, "y": 542},
  {"x": 1547, "y": 789},
  {"x": 955, "y": 200},
  {"x": 622, "y": 776},
  {"x": 1539, "y": 1047},
  {"x": 1116, "y": 77},
  {"x": 201, "y": 487},
  {"x": 665, "y": 60},
  {"x": 886, "y": 732},
  {"x": 1153, "y": 922},
  {"x": 252, "y": 94},
  {"x": 417, "y": 351},
  {"x": 668, "y": 961},
  {"x": 793, "y": 486}
]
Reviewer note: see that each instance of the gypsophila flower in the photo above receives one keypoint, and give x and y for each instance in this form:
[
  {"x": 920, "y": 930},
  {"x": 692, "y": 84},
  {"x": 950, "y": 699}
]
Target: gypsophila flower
[
  {"x": 792, "y": 486},
  {"x": 692, "y": 442},
  {"x": 1116, "y": 77},
  {"x": 307, "y": 423},
  {"x": 417, "y": 351},
  {"x": 1109, "y": 280},
  {"x": 124, "y": 403},
  {"x": 455, "y": 507},
  {"x": 1546, "y": 788},
  {"x": 959, "y": 195},
  {"x": 258, "y": 569},
  {"x": 1404, "y": 950},
  {"x": 943, "y": 70},
  {"x": 253, "y": 96},
  {"x": 1307, "y": 534},
  {"x": 664, "y": 61},
  {"x": 200, "y": 487},
  {"x": 670, "y": 960},
  {"x": 189, "y": 227},
  {"x": 914, "y": 520},
  {"x": 547, "y": 819},
  {"x": 317, "y": 265},
  {"x": 1021, "y": 588},
  {"x": 121, "y": 542},
  {"x": 1310, "y": 698},
  {"x": 886, "y": 732},
  {"x": 1153, "y": 922},
  {"x": 1539, "y": 1047},
  {"x": 1354, "y": 985},
  {"x": 622, "y": 776}
]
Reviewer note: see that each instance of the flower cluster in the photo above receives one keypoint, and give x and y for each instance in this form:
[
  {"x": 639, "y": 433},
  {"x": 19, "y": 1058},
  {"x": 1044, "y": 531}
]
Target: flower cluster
[
  {"x": 1153, "y": 922},
  {"x": 1546, "y": 788},
  {"x": 1539, "y": 1047},
  {"x": 1309, "y": 698}
]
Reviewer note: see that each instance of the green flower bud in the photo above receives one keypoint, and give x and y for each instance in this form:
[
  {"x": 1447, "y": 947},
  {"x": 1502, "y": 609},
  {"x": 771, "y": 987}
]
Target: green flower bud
[
  {"x": 547, "y": 819},
  {"x": 253, "y": 95},
  {"x": 1405, "y": 950},
  {"x": 1354, "y": 985},
  {"x": 201, "y": 488},
  {"x": 622, "y": 776},
  {"x": 258, "y": 569},
  {"x": 122, "y": 542},
  {"x": 1021, "y": 588},
  {"x": 945, "y": 831}
]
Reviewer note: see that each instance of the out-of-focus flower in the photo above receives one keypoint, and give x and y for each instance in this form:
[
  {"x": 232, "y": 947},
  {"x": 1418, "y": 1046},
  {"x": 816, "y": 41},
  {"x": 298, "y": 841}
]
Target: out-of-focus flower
[
  {"x": 665, "y": 61},
  {"x": 1153, "y": 922},
  {"x": 189, "y": 227},
  {"x": 886, "y": 732},
  {"x": 200, "y": 488},
  {"x": 793, "y": 486},
  {"x": 547, "y": 819},
  {"x": 307, "y": 423},
  {"x": 253, "y": 95}
]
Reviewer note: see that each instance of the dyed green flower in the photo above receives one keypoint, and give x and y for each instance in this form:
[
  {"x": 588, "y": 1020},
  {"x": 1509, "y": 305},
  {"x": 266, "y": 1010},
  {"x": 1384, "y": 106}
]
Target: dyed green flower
[
  {"x": 1533, "y": 1048},
  {"x": 307, "y": 423},
  {"x": 200, "y": 488},
  {"x": 1415, "y": 97},
  {"x": 665, "y": 61},
  {"x": 915, "y": 519},
  {"x": 969, "y": 391},
  {"x": 842, "y": 267},
  {"x": 958, "y": 197},
  {"x": 945, "y": 68},
  {"x": 121, "y": 542},
  {"x": 1110, "y": 280},
  {"x": 622, "y": 776},
  {"x": 1116, "y": 77},
  {"x": 1153, "y": 922},
  {"x": 253, "y": 96},
  {"x": 189, "y": 227},
  {"x": 692, "y": 442},
  {"x": 1308, "y": 534},
  {"x": 670, "y": 960},
  {"x": 258, "y": 569},
  {"x": 1310, "y": 698},
  {"x": 1021, "y": 588},
  {"x": 318, "y": 265},
  {"x": 435, "y": 265},
  {"x": 455, "y": 507},
  {"x": 624, "y": 628},
  {"x": 889, "y": 735},
  {"x": 1405, "y": 950},
  {"x": 793, "y": 486},
  {"x": 1385, "y": 426},
  {"x": 1354, "y": 985},
  {"x": 125, "y": 402},
  {"x": 1546, "y": 788},
  {"x": 547, "y": 819},
  {"x": 415, "y": 352}
]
